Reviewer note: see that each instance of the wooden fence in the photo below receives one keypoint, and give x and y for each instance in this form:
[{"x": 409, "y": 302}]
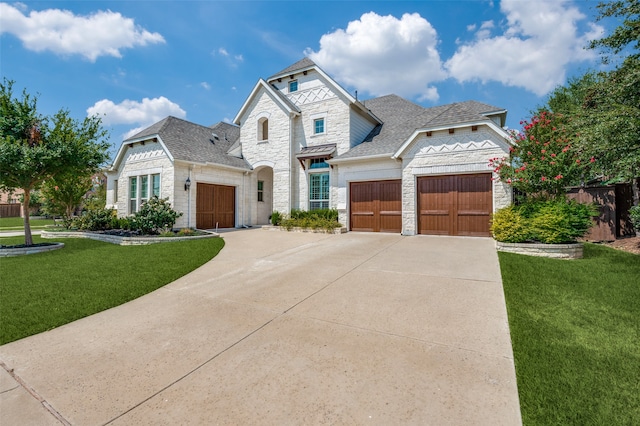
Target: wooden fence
[
  {"x": 10, "y": 210},
  {"x": 614, "y": 202}
]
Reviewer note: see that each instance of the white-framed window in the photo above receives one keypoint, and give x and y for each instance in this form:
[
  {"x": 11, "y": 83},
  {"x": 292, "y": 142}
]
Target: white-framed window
[
  {"x": 144, "y": 189},
  {"x": 260, "y": 190},
  {"x": 133, "y": 194},
  {"x": 155, "y": 185},
  {"x": 115, "y": 191},
  {"x": 318, "y": 126},
  {"x": 293, "y": 86},
  {"x": 318, "y": 191},
  {"x": 141, "y": 188}
]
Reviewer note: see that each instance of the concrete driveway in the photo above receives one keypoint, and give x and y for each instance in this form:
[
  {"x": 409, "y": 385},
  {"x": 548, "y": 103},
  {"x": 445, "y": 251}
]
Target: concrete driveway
[{"x": 286, "y": 328}]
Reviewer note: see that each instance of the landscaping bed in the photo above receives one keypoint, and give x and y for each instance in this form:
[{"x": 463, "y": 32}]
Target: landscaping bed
[{"x": 126, "y": 237}]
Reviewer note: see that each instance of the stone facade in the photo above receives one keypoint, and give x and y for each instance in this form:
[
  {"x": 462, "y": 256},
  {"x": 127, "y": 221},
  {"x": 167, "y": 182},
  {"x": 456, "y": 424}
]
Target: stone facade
[
  {"x": 443, "y": 153},
  {"x": 276, "y": 125}
]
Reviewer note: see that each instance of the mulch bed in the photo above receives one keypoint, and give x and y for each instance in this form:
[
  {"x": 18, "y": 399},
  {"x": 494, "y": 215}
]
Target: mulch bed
[{"x": 628, "y": 244}]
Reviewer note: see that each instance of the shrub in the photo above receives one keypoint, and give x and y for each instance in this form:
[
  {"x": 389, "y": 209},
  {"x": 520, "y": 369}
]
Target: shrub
[
  {"x": 554, "y": 221},
  {"x": 94, "y": 220},
  {"x": 276, "y": 218},
  {"x": 315, "y": 219},
  {"x": 634, "y": 213},
  {"x": 508, "y": 225},
  {"x": 155, "y": 215}
]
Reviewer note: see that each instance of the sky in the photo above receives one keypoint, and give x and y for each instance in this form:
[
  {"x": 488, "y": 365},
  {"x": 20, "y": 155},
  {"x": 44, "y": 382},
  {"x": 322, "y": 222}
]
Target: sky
[{"x": 135, "y": 62}]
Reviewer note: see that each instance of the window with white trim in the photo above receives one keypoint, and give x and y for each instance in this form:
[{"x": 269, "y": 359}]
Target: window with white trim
[
  {"x": 318, "y": 191},
  {"x": 293, "y": 86},
  {"x": 140, "y": 188},
  {"x": 115, "y": 191},
  {"x": 133, "y": 194},
  {"x": 318, "y": 126}
]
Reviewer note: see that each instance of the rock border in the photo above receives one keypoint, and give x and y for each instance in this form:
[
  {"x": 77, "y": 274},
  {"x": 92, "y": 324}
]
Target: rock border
[
  {"x": 22, "y": 251},
  {"x": 122, "y": 241},
  {"x": 556, "y": 251},
  {"x": 341, "y": 230}
]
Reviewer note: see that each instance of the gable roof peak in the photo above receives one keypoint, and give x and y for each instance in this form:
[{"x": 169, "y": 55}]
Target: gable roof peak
[{"x": 302, "y": 64}]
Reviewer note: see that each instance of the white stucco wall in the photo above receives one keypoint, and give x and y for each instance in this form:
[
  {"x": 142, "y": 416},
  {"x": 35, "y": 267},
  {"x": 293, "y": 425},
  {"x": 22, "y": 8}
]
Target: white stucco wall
[{"x": 442, "y": 153}]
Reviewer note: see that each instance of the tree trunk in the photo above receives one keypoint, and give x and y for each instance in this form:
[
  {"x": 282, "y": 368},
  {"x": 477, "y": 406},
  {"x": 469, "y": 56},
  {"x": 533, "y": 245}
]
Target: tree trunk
[{"x": 28, "y": 239}]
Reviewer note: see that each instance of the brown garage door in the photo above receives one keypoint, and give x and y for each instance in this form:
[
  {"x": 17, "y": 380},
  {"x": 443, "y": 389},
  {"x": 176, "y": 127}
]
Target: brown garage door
[
  {"x": 455, "y": 205},
  {"x": 376, "y": 206},
  {"x": 215, "y": 204}
]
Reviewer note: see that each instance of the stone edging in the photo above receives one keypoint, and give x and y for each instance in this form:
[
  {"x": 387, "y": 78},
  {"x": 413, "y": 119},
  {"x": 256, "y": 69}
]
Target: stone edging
[
  {"x": 123, "y": 241},
  {"x": 342, "y": 230},
  {"x": 11, "y": 252},
  {"x": 558, "y": 251}
]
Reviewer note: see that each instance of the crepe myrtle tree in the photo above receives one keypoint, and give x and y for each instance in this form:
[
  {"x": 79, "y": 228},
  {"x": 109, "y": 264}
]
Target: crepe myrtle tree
[
  {"x": 543, "y": 159},
  {"x": 34, "y": 148}
]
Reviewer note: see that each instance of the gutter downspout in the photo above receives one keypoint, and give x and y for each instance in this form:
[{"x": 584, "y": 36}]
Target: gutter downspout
[
  {"x": 291, "y": 165},
  {"x": 189, "y": 201}
]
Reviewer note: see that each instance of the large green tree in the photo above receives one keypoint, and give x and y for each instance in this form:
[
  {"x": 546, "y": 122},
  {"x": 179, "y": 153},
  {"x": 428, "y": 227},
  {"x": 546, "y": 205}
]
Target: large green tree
[
  {"x": 605, "y": 106},
  {"x": 34, "y": 148}
]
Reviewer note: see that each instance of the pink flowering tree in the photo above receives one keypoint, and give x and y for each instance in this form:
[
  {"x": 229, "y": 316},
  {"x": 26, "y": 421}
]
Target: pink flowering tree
[{"x": 542, "y": 160}]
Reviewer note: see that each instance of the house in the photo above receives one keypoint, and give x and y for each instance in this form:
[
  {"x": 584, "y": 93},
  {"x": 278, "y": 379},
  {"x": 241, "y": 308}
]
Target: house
[{"x": 301, "y": 141}]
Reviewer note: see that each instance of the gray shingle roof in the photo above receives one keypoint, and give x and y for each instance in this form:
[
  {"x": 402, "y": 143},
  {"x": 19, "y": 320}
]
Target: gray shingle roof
[
  {"x": 401, "y": 118},
  {"x": 192, "y": 142},
  {"x": 301, "y": 64}
]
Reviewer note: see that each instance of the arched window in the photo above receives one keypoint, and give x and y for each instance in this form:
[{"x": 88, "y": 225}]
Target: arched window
[{"x": 263, "y": 129}]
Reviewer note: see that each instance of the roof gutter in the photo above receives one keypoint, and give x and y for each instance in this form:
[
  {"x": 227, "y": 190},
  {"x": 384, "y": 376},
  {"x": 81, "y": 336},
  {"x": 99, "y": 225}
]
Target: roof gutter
[
  {"x": 222, "y": 166},
  {"x": 387, "y": 156}
]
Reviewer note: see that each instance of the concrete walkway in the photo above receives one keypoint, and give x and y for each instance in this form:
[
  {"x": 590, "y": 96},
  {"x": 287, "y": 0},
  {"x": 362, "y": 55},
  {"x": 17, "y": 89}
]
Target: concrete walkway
[{"x": 286, "y": 328}]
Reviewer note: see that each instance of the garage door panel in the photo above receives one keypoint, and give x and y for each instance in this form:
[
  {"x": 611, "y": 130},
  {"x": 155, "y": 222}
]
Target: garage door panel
[
  {"x": 215, "y": 206},
  {"x": 455, "y": 205},
  {"x": 376, "y": 206}
]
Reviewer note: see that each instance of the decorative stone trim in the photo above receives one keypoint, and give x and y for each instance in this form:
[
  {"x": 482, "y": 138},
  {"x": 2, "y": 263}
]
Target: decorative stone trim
[
  {"x": 11, "y": 252},
  {"x": 342, "y": 230},
  {"x": 558, "y": 251},
  {"x": 122, "y": 241}
]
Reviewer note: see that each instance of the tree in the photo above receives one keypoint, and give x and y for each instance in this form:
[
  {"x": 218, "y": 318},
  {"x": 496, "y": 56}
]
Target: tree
[
  {"x": 542, "y": 160},
  {"x": 605, "y": 107},
  {"x": 63, "y": 194},
  {"x": 34, "y": 148}
]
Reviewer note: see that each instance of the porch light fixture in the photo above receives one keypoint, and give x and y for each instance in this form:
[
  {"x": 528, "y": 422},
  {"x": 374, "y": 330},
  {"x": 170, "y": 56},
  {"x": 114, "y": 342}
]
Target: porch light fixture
[{"x": 187, "y": 184}]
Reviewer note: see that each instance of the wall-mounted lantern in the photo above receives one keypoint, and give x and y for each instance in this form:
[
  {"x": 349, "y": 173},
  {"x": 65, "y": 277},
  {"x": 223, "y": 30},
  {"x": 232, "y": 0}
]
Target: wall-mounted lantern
[{"x": 187, "y": 184}]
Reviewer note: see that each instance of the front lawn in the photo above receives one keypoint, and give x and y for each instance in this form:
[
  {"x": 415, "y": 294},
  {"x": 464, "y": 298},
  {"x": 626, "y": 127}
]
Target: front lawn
[
  {"x": 42, "y": 291},
  {"x": 575, "y": 329},
  {"x": 17, "y": 223}
]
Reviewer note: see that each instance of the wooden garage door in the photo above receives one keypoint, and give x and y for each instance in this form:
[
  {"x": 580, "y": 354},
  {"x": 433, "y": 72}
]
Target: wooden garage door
[
  {"x": 215, "y": 204},
  {"x": 455, "y": 205},
  {"x": 376, "y": 206}
]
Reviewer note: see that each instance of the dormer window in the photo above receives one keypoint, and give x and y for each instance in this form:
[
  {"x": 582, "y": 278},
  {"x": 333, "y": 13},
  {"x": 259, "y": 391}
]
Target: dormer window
[{"x": 293, "y": 86}]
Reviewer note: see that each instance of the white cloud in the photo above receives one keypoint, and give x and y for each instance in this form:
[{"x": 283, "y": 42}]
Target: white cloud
[
  {"x": 205, "y": 85},
  {"x": 103, "y": 33},
  {"x": 143, "y": 113},
  {"x": 540, "y": 39},
  {"x": 223, "y": 51},
  {"x": 383, "y": 54}
]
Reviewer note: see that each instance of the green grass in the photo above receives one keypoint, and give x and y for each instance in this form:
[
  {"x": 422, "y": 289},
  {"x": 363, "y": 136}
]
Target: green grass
[
  {"x": 575, "y": 329},
  {"x": 42, "y": 291},
  {"x": 17, "y": 223}
]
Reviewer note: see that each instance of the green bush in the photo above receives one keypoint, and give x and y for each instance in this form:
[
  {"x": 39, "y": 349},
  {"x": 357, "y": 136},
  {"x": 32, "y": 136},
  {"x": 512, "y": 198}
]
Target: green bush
[
  {"x": 508, "y": 225},
  {"x": 634, "y": 213},
  {"x": 315, "y": 219},
  {"x": 93, "y": 220},
  {"x": 276, "y": 218},
  {"x": 554, "y": 221},
  {"x": 154, "y": 215}
]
